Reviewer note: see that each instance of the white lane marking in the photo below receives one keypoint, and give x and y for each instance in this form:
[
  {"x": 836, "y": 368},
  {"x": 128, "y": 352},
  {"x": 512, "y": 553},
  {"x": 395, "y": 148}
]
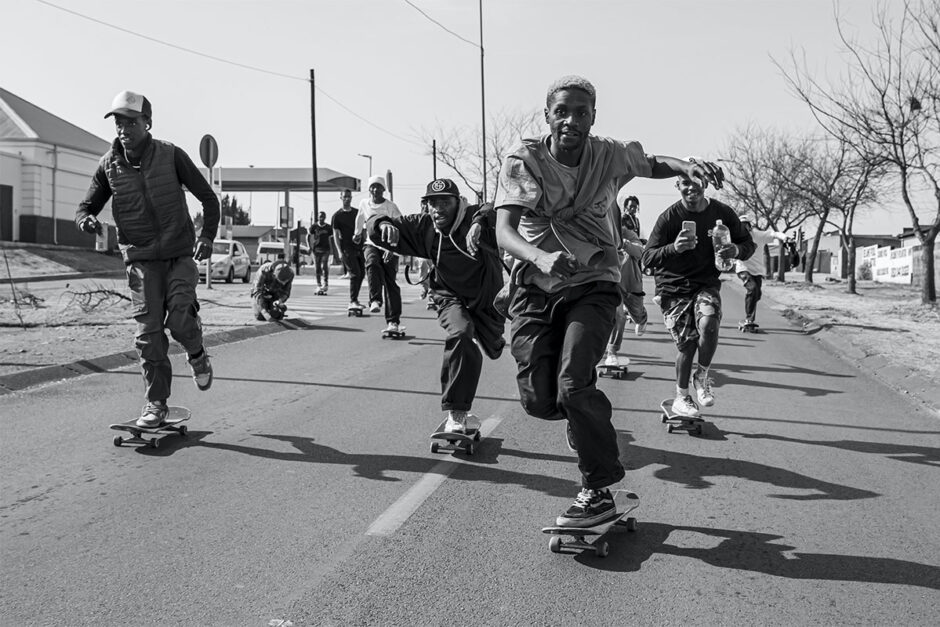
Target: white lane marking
[{"x": 409, "y": 502}]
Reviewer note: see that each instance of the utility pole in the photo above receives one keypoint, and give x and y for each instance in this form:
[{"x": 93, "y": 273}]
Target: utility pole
[
  {"x": 482, "y": 100},
  {"x": 313, "y": 142}
]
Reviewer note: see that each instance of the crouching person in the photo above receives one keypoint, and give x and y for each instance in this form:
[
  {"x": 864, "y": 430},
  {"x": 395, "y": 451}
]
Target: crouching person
[{"x": 272, "y": 289}]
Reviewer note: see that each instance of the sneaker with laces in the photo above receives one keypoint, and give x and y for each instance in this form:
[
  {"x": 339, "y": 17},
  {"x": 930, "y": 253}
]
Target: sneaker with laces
[
  {"x": 703, "y": 389},
  {"x": 392, "y": 328},
  {"x": 202, "y": 371},
  {"x": 611, "y": 360},
  {"x": 375, "y": 306},
  {"x": 590, "y": 508},
  {"x": 455, "y": 422},
  {"x": 640, "y": 329},
  {"x": 153, "y": 415},
  {"x": 685, "y": 406}
]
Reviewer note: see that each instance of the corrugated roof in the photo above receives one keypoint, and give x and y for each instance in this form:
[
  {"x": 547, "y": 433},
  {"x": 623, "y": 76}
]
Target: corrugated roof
[{"x": 45, "y": 126}]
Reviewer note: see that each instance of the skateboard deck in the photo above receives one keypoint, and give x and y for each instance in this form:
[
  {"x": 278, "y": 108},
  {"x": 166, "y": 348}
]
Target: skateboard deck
[
  {"x": 354, "y": 311},
  {"x": 456, "y": 442},
  {"x": 749, "y": 327},
  {"x": 320, "y": 292},
  {"x": 675, "y": 422},
  {"x": 626, "y": 502},
  {"x": 395, "y": 335},
  {"x": 614, "y": 372},
  {"x": 174, "y": 417}
]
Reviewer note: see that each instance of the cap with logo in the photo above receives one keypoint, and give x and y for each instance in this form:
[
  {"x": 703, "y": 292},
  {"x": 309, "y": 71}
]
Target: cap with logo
[
  {"x": 130, "y": 105},
  {"x": 442, "y": 187}
]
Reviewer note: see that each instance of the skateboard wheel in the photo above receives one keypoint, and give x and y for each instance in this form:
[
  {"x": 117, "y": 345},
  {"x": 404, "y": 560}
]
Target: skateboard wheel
[
  {"x": 664, "y": 418},
  {"x": 118, "y": 440},
  {"x": 554, "y": 544},
  {"x": 602, "y": 549},
  {"x": 476, "y": 436},
  {"x": 155, "y": 443},
  {"x": 631, "y": 524},
  {"x": 184, "y": 431},
  {"x": 469, "y": 448},
  {"x": 434, "y": 447},
  {"x": 670, "y": 428}
]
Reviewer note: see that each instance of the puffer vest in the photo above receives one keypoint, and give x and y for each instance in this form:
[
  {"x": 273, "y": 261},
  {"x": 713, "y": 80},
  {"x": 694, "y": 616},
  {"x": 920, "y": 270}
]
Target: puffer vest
[{"x": 149, "y": 205}]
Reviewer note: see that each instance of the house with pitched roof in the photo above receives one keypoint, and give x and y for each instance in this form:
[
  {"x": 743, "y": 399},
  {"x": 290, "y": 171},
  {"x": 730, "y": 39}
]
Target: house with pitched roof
[{"x": 45, "y": 167}]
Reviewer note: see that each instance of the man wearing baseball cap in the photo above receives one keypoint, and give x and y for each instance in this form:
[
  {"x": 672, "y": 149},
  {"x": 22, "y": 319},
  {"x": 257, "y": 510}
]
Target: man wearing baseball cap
[
  {"x": 144, "y": 178},
  {"x": 381, "y": 265},
  {"x": 466, "y": 274}
]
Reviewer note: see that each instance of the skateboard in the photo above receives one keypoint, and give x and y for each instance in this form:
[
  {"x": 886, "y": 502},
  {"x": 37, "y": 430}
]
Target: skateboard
[
  {"x": 675, "y": 422},
  {"x": 395, "y": 335},
  {"x": 626, "y": 503},
  {"x": 456, "y": 442},
  {"x": 174, "y": 417},
  {"x": 748, "y": 327},
  {"x": 320, "y": 292},
  {"x": 614, "y": 372},
  {"x": 354, "y": 311}
]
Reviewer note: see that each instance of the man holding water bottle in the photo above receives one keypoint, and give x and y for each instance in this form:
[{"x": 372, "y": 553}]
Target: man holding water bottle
[{"x": 683, "y": 258}]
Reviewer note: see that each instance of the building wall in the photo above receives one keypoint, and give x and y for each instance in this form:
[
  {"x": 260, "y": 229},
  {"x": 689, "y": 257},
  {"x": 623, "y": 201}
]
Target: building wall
[{"x": 48, "y": 182}]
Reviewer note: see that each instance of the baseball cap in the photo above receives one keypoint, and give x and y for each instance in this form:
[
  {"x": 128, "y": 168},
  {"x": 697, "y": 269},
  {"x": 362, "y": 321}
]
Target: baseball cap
[
  {"x": 377, "y": 180},
  {"x": 442, "y": 187},
  {"x": 283, "y": 274},
  {"x": 130, "y": 105}
]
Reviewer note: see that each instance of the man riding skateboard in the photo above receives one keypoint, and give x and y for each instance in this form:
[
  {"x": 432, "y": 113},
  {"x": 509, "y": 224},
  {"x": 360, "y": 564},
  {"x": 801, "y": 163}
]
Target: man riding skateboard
[
  {"x": 466, "y": 274},
  {"x": 145, "y": 179}
]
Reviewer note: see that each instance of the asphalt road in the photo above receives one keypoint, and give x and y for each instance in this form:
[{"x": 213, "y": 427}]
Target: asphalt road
[{"x": 306, "y": 492}]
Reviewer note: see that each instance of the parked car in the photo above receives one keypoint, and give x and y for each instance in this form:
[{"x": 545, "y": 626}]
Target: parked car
[
  {"x": 268, "y": 251},
  {"x": 229, "y": 260}
]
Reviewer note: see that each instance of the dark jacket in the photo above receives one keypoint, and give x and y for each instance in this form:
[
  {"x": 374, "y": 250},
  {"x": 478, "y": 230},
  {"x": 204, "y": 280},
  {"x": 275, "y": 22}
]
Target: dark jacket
[
  {"x": 473, "y": 280},
  {"x": 149, "y": 204},
  {"x": 267, "y": 286},
  {"x": 684, "y": 274}
]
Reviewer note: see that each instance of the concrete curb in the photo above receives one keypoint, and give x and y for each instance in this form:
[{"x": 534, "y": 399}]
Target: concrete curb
[
  {"x": 919, "y": 390},
  {"x": 29, "y": 378}
]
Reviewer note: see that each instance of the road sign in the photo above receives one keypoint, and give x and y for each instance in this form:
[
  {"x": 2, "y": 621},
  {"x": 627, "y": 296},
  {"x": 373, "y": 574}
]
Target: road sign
[{"x": 208, "y": 151}]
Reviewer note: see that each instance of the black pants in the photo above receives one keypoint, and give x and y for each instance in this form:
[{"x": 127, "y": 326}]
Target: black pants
[
  {"x": 463, "y": 360},
  {"x": 557, "y": 340},
  {"x": 382, "y": 285},
  {"x": 752, "y": 287},
  {"x": 355, "y": 264}
]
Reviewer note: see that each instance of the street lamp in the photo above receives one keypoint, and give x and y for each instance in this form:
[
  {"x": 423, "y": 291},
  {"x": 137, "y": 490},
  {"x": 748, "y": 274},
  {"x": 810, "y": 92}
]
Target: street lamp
[{"x": 369, "y": 157}]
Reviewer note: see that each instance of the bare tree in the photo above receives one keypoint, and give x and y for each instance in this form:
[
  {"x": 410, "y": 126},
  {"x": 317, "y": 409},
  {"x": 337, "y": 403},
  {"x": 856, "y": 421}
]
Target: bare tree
[
  {"x": 835, "y": 181},
  {"x": 761, "y": 164},
  {"x": 459, "y": 149},
  {"x": 886, "y": 106}
]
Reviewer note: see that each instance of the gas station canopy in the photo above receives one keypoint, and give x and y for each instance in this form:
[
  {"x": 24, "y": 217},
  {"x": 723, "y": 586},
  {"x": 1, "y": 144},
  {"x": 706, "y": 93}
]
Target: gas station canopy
[{"x": 285, "y": 179}]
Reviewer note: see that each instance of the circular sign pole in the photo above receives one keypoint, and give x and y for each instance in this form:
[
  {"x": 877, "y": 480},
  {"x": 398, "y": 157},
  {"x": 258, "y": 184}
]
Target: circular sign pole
[{"x": 209, "y": 153}]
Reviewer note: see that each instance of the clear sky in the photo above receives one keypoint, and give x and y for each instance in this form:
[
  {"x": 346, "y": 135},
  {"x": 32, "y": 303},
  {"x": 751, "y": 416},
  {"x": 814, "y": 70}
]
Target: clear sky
[{"x": 677, "y": 75}]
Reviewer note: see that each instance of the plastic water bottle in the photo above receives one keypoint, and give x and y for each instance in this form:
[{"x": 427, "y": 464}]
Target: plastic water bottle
[{"x": 720, "y": 237}]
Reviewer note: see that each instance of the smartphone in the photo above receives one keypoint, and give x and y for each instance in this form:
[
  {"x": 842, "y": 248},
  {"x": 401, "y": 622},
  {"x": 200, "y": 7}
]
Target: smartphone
[{"x": 688, "y": 225}]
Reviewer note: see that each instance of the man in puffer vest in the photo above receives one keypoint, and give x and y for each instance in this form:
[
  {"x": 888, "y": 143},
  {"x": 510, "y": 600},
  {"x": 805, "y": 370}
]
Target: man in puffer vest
[{"x": 144, "y": 178}]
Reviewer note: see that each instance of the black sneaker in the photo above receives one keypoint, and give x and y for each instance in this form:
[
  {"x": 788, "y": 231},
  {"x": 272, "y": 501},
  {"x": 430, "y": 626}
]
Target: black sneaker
[
  {"x": 592, "y": 507},
  {"x": 569, "y": 437}
]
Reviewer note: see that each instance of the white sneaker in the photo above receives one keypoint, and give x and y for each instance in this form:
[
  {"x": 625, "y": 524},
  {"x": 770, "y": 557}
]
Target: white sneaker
[
  {"x": 703, "y": 389},
  {"x": 471, "y": 422},
  {"x": 685, "y": 406},
  {"x": 640, "y": 329},
  {"x": 375, "y": 306},
  {"x": 611, "y": 360},
  {"x": 392, "y": 327},
  {"x": 455, "y": 422}
]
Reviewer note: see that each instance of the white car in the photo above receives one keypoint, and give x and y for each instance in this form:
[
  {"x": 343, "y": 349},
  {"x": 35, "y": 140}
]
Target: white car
[{"x": 229, "y": 260}]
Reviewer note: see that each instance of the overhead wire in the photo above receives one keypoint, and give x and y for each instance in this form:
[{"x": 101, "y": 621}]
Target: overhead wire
[
  {"x": 244, "y": 66},
  {"x": 431, "y": 19}
]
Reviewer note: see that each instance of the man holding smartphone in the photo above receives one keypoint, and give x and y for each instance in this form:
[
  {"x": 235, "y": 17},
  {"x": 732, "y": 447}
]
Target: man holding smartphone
[{"x": 688, "y": 284}]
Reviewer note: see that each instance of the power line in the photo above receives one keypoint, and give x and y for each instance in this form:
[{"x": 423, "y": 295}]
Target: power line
[
  {"x": 431, "y": 19},
  {"x": 233, "y": 63}
]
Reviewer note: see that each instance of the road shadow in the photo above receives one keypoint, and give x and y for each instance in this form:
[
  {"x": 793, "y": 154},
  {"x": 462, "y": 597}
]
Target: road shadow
[
  {"x": 170, "y": 443},
  {"x": 925, "y": 455},
  {"x": 426, "y": 341},
  {"x": 693, "y": 471},
  {"x": 480, "y": 467},
  {"x": 759, "y": 553}
]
